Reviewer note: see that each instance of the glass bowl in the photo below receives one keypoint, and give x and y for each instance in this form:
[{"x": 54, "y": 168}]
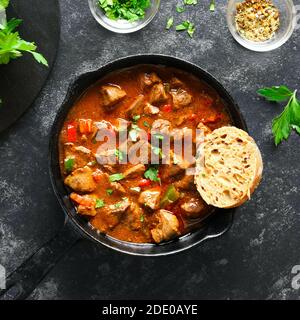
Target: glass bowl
[
  {"x": 123, "y": 26},
  {"x": 287, "y": 24}
]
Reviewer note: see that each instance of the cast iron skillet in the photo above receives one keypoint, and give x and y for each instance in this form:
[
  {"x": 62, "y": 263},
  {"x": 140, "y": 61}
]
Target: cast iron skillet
[{"x": 21, "y": 283}]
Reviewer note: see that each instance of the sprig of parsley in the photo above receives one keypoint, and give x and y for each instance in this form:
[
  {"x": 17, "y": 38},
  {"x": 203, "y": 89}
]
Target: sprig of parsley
[
  {"x": 12, "y": 46},
  {"x": 289, "y": 119}
]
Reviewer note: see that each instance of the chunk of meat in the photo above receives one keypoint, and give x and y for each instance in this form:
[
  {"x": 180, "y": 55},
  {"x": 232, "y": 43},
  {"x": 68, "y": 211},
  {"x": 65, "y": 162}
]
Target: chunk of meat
[
  {"x": 140, "y": 153},
  {"x": 182, "y": 133},
  {"x": 150, "y": 198},
  {"x": 134, "y": 216},
  {"x": 86, "y": 204},
  {"x": 161, "y": 126},
  {"x": 116, "y": 186},
  {"x": 81, "y": 180},
  {"x": 100, "y": 177},
  {"x": 149, "y": 79},
  {"x": 135, "y": 105},
  {"x": 120, "y": 207},
  {"x": 150, "y": 109},
  {"x": 185, "y": 183},
  {"x": 134, "y": 171},
  {"x": 170, "y": 170},
  {"x": 86, "y": 211},
  {"x": 81, "y": 155},
  {"x": 181, "y": 98},
  {"x": 176, "y": 83},
  {"x": 194, "y": 207},
  {"x": 111, "y": 94},
  {"x": 103, "y": 124},
  {"x": 122, "y": 124},
  {"x": 158, "y": 94},
  {"x": 105, "y": 219},
  {"x": 110, "y": 168},
  {"x": 181, "y": 119},
  {"x": 106, "y": 156},
  {"x": 177, "y": 165},
  {"x": 167, "y": 227}
]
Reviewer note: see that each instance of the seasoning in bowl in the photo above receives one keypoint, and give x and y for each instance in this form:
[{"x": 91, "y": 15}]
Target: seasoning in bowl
[
  {"x": 257, "y": 20},
  {"x": 130, "y": 10}
]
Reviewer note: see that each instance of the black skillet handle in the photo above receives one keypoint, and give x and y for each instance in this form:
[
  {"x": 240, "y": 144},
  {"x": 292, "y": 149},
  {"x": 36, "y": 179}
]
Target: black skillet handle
[{"x": 25, "y": 279}]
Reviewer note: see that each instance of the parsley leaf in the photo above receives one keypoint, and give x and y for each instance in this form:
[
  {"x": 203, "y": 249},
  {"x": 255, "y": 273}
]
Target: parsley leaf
[
  {"x": 289, "y": 119},
  {"x": 116, "y": 177},
  {"x": 152, "y": 174},
  {"x": 99, "y": 203},
  {"x": 170, "y": 23},
  {"x": 280, "y": 93}
]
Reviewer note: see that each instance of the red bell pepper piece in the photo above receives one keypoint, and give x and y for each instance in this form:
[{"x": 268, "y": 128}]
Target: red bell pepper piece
[
  {"x": 71, "y": 132},
  {"x": 144, "y": 183},
  {"x": 166, "y": 108}
]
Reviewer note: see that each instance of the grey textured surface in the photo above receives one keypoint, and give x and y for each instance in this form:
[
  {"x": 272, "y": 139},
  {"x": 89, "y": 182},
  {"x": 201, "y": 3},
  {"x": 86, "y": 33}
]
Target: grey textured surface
[{"x": 253, "y": 260}]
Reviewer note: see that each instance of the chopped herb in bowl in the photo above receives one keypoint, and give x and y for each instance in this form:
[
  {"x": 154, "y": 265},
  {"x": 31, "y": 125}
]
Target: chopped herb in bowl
[{"x": 130, "y": 10}]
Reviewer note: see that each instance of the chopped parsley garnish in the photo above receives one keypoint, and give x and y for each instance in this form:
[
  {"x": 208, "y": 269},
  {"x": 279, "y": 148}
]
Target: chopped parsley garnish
[
  {"x": 180, "y": 9},
  {"x": 152, "y": 174},
  {"x": 136, "y": 117},
  {"x": 69, "y": 164},
  {"x": 157, "y": 151},
  {"x": 142, "y": 218},
  {"x": 124, "y": 9},
  {"x": 118, "y": 205},
  {"x": 146, "y": 124},
  {"x": 188, "y": 26},
  {"x": 119, "y": 154},
  {"x": 170, "y": 23},
  {"x": 116, "y": 177},
  {"x": 134, "y": 132},
  {"x": 109, "y": 191},
  {"x": 99, "y": 203},
  {"x": 159, "y": 136},
  {"x": 190, "y": 2},
  {"x": 289, "y": 119}
]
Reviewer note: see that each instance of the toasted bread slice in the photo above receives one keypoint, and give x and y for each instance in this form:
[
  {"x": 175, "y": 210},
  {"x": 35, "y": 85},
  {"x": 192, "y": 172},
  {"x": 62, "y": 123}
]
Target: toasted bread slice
[{"x": 228, "y": 168}]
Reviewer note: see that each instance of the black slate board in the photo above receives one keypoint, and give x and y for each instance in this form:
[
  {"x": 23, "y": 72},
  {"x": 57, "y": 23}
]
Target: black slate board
[{"x": 22, "y": 79}]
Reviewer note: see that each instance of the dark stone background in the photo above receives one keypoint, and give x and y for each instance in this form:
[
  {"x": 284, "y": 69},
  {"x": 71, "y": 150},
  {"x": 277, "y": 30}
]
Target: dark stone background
[{"x": 252, "y": 261}]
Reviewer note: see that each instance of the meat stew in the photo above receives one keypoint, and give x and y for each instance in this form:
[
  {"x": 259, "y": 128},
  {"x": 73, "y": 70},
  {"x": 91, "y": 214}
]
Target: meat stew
[{"x": 138, "y": 202}]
